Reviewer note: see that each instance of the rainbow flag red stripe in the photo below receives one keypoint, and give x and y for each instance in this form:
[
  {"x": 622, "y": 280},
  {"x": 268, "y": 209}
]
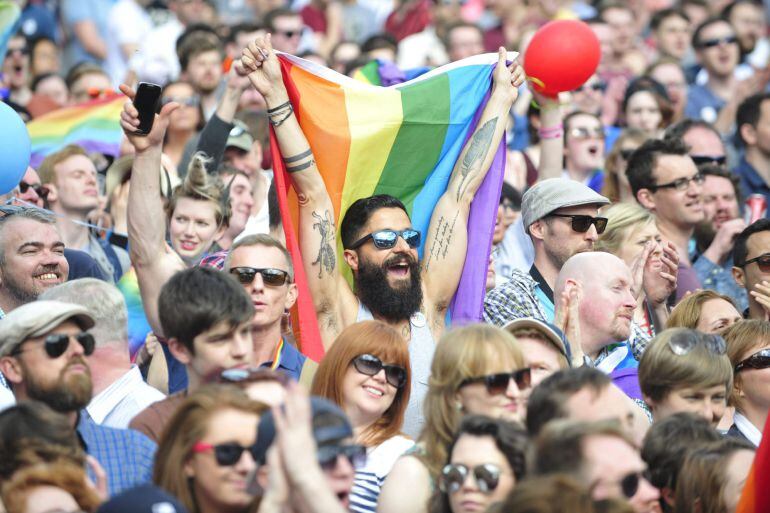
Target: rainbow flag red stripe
[
  {"x": 756, "y": 492},
  {"x": 402, "y": 140}
]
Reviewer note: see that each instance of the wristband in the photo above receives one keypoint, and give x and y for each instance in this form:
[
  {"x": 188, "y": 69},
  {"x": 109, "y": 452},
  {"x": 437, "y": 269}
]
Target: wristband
[{"x": 553, "y": 132}]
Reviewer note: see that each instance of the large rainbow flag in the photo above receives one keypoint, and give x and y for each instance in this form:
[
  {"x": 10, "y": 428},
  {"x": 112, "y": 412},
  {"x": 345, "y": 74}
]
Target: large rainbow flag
[
  {"x": 94, "y": 125},
  {"x": 402, "y": 140}
]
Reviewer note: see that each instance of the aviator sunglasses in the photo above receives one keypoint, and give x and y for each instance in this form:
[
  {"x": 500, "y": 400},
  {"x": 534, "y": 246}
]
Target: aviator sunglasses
[
  {"x": 497, "y": 384},
  {"x": 386, "y": 239},
  {"x": 55, "y": 345},
  {"x": 452, "y": 477},
  {"x": 370, "y": 365}
]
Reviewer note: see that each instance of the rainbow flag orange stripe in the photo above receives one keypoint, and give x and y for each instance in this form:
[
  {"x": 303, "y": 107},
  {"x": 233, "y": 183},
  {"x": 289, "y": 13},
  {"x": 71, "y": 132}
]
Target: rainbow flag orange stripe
[
  {"x": 402, "y": 140},
  {"x": 756, "y": 492},
  {"x": 94, "y": 125}
]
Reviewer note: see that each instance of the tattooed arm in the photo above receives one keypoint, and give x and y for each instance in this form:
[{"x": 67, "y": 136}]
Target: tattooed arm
[
  {"x": 446, "y": 242},
  {"x": 335, "y": 303}
]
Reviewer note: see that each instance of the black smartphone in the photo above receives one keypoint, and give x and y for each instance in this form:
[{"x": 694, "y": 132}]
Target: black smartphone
[{"x": 146, "y": 102}]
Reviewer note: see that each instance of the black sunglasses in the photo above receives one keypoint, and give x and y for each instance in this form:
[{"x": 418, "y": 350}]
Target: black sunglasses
[
  {"x": 629, "y": 485},
  {"x": 706, "y": 159},
  {"x": 41, "y": 191},
  {"x": 681, "y": 184},
  {"x": 683, "y": 343},
  {"x": 759, "y": 360},
  {"x": 370, "y": 365},
  {"x": 582, "y": 223},
  {"x": 227, "y": 454},
  {"x": 328, "y": 455},
  {"x": 270, "y": 276},
  {"x": 56, "y": 344},
  {"x": 453, "y": 476},
  {"x": 711, "y": 43},
  {"x": 596, "y": 86},
  {"x": 763, "y": 262},
  {"x": 386, "y": 239},
  {"x": 497, "y": 384}
]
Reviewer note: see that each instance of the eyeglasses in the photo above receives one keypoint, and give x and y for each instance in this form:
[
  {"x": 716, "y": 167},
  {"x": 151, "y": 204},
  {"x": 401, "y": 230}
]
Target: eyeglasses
[
  {"x": 681, "y": 184},
  {"x": 682, "y": 343},
  {"x": 270, "y": 276},
  {"x": 386, "y": 239},
  {"x": 288, "y": 33},
  {"x": 370, "y": 365},
  {"x": 586, "y": 133},
  {"x": 227, "y": 454},
  {"x": 581, "y": 223},
  {"x": 39, "y": 189},
  {"x": 328, "y": 455},
  {"x": 707, "y": 159},
  {"x": 190, "y": 101},
  {"x": 596, "y": 86},
  {"x": 56, "y": 344},
  {"x": 711, "y": 43},
  {"x": 452, "y": 477},
  {"x": 497, "y": 384},
  {"x": 759, "y": 360},
  {"x": 763, "y": 262}
]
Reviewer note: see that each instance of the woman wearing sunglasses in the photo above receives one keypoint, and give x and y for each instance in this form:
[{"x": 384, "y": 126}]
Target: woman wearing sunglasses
[
  {"x": 366, "y": 372},
  {"x": 748, "y": 347},
  {"x": 478, "y": 370},
  {"x": 486, "y": 459},
  {"x": 206, "y": 452},
  {"x": 686, "y": 370}
]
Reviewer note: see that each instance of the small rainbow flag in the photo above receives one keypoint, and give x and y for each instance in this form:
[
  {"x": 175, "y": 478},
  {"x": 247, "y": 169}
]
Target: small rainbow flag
[
  {"x": 94, "y": 125},
  {"x": 402, "y": 140}
]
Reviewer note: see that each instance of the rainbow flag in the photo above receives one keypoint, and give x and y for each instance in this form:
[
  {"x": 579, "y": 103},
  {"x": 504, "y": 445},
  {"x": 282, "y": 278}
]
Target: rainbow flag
[
  {"x": 756, "y": 492},
  {"x": 94, "y": 125},
  {"x": 10, "y": 17},
  {"x": 402, "y": 140}
]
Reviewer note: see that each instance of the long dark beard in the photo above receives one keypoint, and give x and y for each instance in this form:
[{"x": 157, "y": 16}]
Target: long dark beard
[
  {"x": 383, "y": 300},
  {"x": 67, "y": 394}
]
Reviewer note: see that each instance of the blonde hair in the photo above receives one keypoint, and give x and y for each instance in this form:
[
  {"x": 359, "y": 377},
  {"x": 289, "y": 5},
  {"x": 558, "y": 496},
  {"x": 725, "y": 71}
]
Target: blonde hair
[
  {"x": 623, "y": 218},
  {"x": 686, "y": 314},
  {"x": 198, "y": 184},
  {"x": 462, "y": 353},
  {"x": 743, "y": 337},
  {"x": 661, "y": 370}
]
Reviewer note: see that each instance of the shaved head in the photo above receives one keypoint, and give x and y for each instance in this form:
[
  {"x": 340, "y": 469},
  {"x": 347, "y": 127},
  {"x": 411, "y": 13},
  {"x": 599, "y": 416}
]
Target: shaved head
[{"x": 586, "y": 266}]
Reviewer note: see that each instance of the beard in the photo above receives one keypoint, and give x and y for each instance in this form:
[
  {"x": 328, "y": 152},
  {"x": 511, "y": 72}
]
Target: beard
[
  {"x": 22, "y": 293},
  {"x": 392, "y": 304},
  {"x": 67, "y": 394}
]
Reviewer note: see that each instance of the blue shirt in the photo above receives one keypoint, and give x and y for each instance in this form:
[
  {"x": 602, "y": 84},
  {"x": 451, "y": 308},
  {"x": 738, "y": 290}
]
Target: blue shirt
[
  {"x": 719, "y": 278},
  {"x": 290, "y": 361},
  {"x": 703, "y": 104},
  {"x": 126, "y": 455},
  {"x": 751, "y": 182}
]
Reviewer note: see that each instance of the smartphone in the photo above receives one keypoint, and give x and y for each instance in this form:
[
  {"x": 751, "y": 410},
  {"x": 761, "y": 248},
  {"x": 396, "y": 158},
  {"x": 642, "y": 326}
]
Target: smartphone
[{"x": 146, "y": 102}]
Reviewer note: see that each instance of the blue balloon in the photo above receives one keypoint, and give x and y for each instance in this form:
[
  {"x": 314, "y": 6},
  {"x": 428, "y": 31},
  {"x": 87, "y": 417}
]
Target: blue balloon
[{"x": 15, "y": 149}]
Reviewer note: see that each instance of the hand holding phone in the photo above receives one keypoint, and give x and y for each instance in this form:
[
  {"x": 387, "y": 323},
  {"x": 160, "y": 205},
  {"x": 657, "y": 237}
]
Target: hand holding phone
[{"x": 146, "y": 101}]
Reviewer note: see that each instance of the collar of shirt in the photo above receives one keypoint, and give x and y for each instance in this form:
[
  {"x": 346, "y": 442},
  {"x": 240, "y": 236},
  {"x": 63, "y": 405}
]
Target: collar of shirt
[
  {"x": 109, "y": 398},
  {"x": 748, "y": 429},
  {"x": 290, "y": 360}
]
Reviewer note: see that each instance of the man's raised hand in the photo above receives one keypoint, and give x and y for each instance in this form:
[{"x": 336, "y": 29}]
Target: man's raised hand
[{"x": 129, "y": 122}]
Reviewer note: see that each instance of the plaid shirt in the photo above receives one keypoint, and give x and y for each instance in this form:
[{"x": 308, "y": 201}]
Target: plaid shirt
[
  {"x": 126, "y": 455},
  {"x": 517, "y": 299}
]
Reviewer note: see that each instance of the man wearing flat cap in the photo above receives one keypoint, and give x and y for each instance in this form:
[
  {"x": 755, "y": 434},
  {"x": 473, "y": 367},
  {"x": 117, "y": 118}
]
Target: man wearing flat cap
[{"x": 43, "y": 349}]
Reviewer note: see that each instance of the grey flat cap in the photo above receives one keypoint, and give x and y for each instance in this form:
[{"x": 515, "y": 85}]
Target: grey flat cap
[
  {"x": 544, "y": 197},
  {"x": 37, "y": 318}
]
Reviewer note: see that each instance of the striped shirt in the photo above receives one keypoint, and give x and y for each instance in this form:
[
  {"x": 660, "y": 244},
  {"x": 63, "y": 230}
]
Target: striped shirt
[{"x": 369, "y": 479}]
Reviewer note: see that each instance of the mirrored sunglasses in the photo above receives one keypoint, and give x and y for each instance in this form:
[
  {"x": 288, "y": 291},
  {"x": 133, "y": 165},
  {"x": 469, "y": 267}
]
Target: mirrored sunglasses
[
  {"x": 386, "y": 239},
  {"x": 452, "y": 477}
]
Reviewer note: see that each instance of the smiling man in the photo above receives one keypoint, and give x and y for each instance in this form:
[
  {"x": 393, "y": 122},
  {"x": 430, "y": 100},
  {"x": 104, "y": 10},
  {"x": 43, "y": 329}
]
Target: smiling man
[{"x": 70, "y": 177}]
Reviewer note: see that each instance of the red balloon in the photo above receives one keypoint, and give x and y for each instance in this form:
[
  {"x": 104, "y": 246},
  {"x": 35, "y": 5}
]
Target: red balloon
[{"x": 562, "y": 55}]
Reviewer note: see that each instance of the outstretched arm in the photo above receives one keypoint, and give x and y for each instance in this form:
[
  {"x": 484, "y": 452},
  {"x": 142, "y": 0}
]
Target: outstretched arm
[
  {"x": 335, "y": 304},
  {"x": 151, "y": 257},
  {"x": 447, "y": 240}
]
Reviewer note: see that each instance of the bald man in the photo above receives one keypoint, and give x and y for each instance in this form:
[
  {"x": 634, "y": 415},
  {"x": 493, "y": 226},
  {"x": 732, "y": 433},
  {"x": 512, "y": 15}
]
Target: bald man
[{"x": 605, "y": 308}]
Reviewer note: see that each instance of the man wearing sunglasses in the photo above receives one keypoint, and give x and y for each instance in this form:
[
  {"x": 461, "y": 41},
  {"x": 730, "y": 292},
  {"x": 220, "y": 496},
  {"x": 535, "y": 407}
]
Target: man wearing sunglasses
[
  {"x": 380, "y": 244},
  {"x": 43, "y": 350},
  {"x": 607, "y": 461},
  {"x": 16, "y": 70},
  {"x": 751, "y": 268}
]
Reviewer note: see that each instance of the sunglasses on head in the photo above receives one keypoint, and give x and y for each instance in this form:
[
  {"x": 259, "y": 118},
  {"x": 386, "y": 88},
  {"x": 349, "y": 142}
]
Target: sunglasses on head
[
  {"x": 227, "y": 454},
  {"x": 386, "y": 239},
  {"x": 497, "y": 384},
  {"x": 759, "y": 360},
  {"x": 370, "y": 365},
  {"x": 56, "y": 344},
  {"x": 763, "y": 262},
  {"x": 711, "y": 43},
  {"x": 39, "y": 189},
  {"x": 270, "y": 276},
  {"x": 582, "y": 223},
  {"x": 682, "y": 343},
  {"x": 707, "y": 159},
  {"x": 452, "y": 477},
  {"x": 328, "y": 455}
]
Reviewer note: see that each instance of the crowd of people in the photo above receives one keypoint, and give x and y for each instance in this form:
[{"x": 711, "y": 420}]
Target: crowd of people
[{"x": 149, "y": 361}]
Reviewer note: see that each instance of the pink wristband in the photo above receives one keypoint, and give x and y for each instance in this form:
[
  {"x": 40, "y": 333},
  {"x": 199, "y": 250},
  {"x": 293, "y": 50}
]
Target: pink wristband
[{"x": 553, "y": 132}]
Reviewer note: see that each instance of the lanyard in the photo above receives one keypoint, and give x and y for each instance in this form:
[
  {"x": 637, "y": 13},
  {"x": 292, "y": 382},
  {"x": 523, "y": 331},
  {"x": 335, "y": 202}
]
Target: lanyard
[{"x": 277, "y": 355}]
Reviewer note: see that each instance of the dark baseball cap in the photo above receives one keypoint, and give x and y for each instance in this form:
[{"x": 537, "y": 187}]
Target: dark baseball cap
[{"x": 143, "y": 499}]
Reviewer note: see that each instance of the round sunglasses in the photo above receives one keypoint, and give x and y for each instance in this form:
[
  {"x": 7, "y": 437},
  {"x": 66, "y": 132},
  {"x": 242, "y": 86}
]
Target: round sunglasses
[
  {"x": 270, "y": 276},
  {"x": 497, "y": 384},
  {"x": 226, "y": 454},
  {"x": 370, "y": 365},
  {"x": 452, "y": 477},
  {"x": 56, "y": 344},
  {"x": 386, "y": 239},
  {"x": 759, "y": 360}
]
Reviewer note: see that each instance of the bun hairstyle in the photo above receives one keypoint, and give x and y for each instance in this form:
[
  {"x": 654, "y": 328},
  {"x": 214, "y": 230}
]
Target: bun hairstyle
[{"x": 198, "y": 184}]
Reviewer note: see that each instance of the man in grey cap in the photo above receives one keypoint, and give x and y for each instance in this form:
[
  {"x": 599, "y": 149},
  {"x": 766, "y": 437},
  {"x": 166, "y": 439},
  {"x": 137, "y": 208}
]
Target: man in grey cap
[
  {"x": 560, "y": 216},
  {"x": 43, "y": 349}
]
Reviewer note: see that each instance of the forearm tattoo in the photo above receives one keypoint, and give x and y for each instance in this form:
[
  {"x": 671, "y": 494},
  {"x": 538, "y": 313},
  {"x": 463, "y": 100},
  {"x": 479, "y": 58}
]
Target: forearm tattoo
[
  {"x": 474, "y": 157},
  {"x": 300, "y": 161},
  {"x": 326, "y": 259}
]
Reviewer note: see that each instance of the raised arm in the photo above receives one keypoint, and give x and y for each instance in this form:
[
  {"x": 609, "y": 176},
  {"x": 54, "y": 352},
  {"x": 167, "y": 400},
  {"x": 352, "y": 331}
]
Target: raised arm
[
  {"x": 335, "y": 304},
  {"x": 447, "y": 239},
  {"x": 551, "y": 138},
  {"x": 154, "y": 261}
]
